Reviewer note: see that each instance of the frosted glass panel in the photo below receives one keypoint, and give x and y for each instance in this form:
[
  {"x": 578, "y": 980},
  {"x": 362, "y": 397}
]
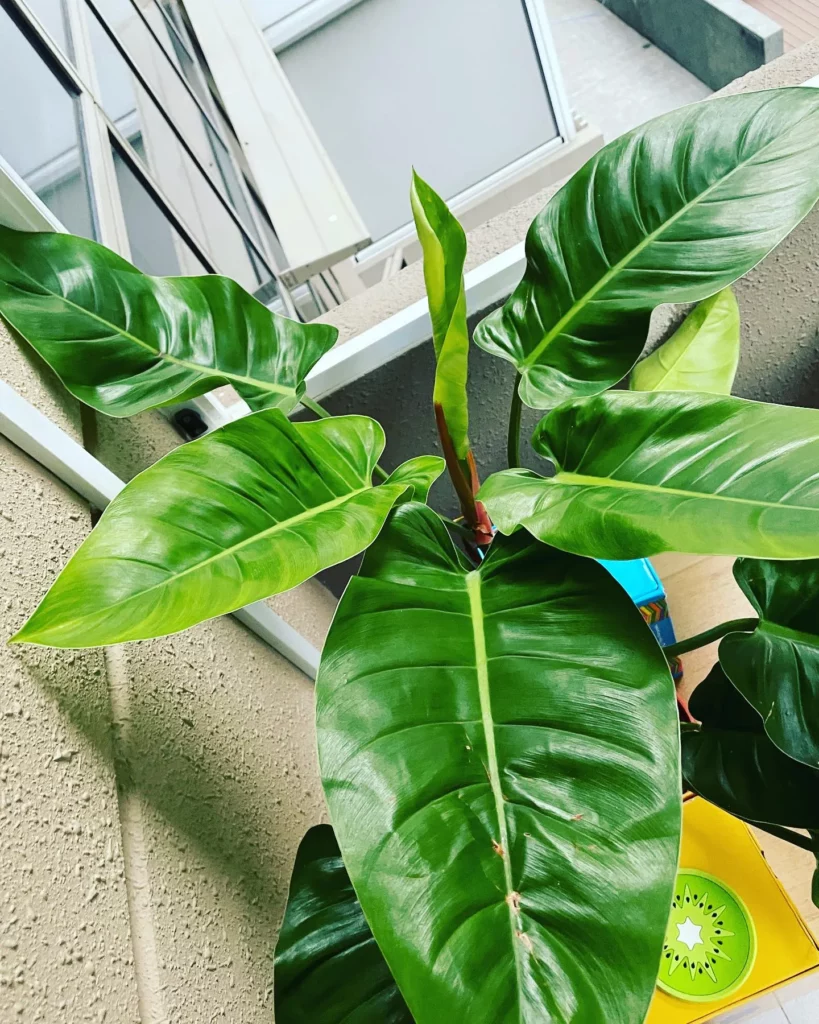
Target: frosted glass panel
[{"x": 451, "y": 86}]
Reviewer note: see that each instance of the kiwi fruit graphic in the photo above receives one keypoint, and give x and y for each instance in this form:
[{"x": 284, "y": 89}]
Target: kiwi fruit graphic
[{"x": 710, "y": 942}]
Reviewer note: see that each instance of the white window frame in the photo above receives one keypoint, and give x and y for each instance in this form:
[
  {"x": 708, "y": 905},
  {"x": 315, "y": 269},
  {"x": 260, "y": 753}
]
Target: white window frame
[{"x": 307, "y": 16}]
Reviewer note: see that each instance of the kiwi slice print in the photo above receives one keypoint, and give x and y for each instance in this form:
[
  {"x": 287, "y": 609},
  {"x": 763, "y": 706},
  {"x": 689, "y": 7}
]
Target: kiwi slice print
[{"x": 710, "y": 942}]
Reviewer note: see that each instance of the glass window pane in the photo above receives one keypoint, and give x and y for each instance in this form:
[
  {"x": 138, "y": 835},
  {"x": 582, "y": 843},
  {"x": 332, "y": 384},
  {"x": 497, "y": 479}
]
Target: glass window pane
[
  {"x": 39, "y": 131},
  {"x": 52, "y": 14},
  {"x": 116, "y": 80},
  {"x": 191, "y": 194},
  {"x": 156, "y": 246}
]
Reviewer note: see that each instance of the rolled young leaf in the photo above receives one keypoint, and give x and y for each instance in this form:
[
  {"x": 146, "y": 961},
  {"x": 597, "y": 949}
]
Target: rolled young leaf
[
  {"x": 641, "y": 472},
  {"x": 247, "y": 511},
  {"x": 701, "y": 355},
  {"x": 466, "y": 718},
  {"x": 673, "y": 211},
  {"x": 419, "y": 474},
  {"x": 734, "y": 764},
  {"x": 123, "y": 342},
  {"x": 328, "y": 968},
  {"x": 444, "y": 245},
  {"x": 776, "y": 668}
]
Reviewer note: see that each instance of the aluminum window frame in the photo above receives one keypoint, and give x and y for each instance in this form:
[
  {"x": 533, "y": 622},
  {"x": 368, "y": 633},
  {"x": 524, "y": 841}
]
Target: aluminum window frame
[
  {"x": 267, "y": 254},
  {"x": 77, "y": 72},
  {"x": 122, "y": 140}
]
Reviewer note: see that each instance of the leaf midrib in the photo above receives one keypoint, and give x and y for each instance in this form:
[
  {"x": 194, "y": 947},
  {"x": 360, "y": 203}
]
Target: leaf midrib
[
  {"x": 473, "y": 589},
  {"x": 787, "y": 633},
  {"x": 581, "y": 480},
  {"x": 613, "y": 271},
  {"x": 285, "y": 524},
  {"x": 114, "y": 328}
]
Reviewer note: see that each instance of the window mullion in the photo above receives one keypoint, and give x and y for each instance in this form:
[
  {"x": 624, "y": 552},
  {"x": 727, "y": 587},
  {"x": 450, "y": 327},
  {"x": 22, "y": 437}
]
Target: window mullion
[{"x": 102, "y": 176}]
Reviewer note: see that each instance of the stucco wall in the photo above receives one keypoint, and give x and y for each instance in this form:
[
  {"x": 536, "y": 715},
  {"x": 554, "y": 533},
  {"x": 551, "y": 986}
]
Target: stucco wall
[{"x": 151, "y": 797}]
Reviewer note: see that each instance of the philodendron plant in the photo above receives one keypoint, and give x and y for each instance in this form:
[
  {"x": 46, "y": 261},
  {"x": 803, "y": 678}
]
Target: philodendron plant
[{"x": 497, "y": 728}]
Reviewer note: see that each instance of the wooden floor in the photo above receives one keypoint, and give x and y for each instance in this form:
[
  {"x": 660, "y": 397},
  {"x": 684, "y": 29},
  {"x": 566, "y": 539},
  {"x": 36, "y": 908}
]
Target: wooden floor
[{"x": 799, "y": 18}]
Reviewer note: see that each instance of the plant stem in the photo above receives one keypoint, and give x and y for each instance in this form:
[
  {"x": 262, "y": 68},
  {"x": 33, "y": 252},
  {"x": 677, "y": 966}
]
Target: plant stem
[
  {"x": 324, "y": 414},
  {"x": 313, "y": 406},
  {"x": 513, "y": 437},
  {"x": 463, "y": 530},
  {"x": 715, "y": 633},
  {"x": 803, "y": 842}
]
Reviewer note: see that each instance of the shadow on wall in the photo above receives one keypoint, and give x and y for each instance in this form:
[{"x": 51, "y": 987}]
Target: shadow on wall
[{"x": 227, "y": 783}]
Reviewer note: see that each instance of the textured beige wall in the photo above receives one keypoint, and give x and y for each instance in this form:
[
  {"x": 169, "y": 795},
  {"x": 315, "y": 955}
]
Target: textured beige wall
[
  {"x": 65, "y": 949},
  {"x": 151, "y": 797}
]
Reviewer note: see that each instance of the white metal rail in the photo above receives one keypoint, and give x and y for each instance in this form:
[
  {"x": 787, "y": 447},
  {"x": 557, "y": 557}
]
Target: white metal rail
[{"x": 49, "y": 445}]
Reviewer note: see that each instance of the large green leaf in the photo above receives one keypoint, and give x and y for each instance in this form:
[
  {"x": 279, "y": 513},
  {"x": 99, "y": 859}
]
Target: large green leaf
[
  {"x": 248, "y": 511},
  {"x": 123, "y": 342},
  {"x": 701, "y": 355},
  {"x": 640, "y": 472},
  {"x": 329, "y": 969},
  {"x": 673, "y": 211},
  {"x": 499, "y": 753},
  {"x": 776, "y": 667},
  {"x": 732, "y": 762},
  {"x": 444, "y": 245}
]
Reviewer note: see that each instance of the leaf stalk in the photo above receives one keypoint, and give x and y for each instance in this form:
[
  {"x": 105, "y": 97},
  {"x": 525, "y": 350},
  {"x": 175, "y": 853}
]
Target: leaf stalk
[
  {"x": 513, "y": 436},
  {"x": 710, "y": 635}
]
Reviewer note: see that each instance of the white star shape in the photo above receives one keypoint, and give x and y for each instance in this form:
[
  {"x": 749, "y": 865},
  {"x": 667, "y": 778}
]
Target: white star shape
[{"x": 690, "y": 933}]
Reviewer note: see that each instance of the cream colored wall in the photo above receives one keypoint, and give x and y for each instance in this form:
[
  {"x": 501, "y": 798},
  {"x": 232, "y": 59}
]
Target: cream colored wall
[{"x": 151, "y": 797}]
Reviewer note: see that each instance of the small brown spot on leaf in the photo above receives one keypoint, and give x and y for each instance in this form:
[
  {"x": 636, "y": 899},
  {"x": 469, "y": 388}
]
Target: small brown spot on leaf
[
  {"x": 496, "y": 846},
  {"x": 527, "y": 942},
  {"x": 513, "y": 899},
  {"x": 576, "y": 817}
]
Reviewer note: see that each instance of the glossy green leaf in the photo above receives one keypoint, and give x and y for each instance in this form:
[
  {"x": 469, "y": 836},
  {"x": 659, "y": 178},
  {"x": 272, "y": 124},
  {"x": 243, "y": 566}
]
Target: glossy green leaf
[
  {"x": 247, "y": 511},
  {"x": 123, "y": 342},
  {"x": 328, "y": 968},
  {"x": 639, "y": 472},
  {"x": 444, "y": 245},
  {"x": 673, "y": 211},
  {"x": 466, "y": 719},
  {"x": 418, "y": 474},
  {"x": 701, "y": 355},
  {"x": 776, "y": 667},
  {"x": 734, "y": 764}
]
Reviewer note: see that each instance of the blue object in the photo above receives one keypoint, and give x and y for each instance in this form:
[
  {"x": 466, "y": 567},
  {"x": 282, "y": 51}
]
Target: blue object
[
  {"x": 642, "y": 584},
  {"x": 638, "y": 579}
]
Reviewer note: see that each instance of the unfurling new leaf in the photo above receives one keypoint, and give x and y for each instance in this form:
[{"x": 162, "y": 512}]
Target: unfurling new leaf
[
  {"x": 701, "y": 355},
  {"x": 444, "y": 244}
]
